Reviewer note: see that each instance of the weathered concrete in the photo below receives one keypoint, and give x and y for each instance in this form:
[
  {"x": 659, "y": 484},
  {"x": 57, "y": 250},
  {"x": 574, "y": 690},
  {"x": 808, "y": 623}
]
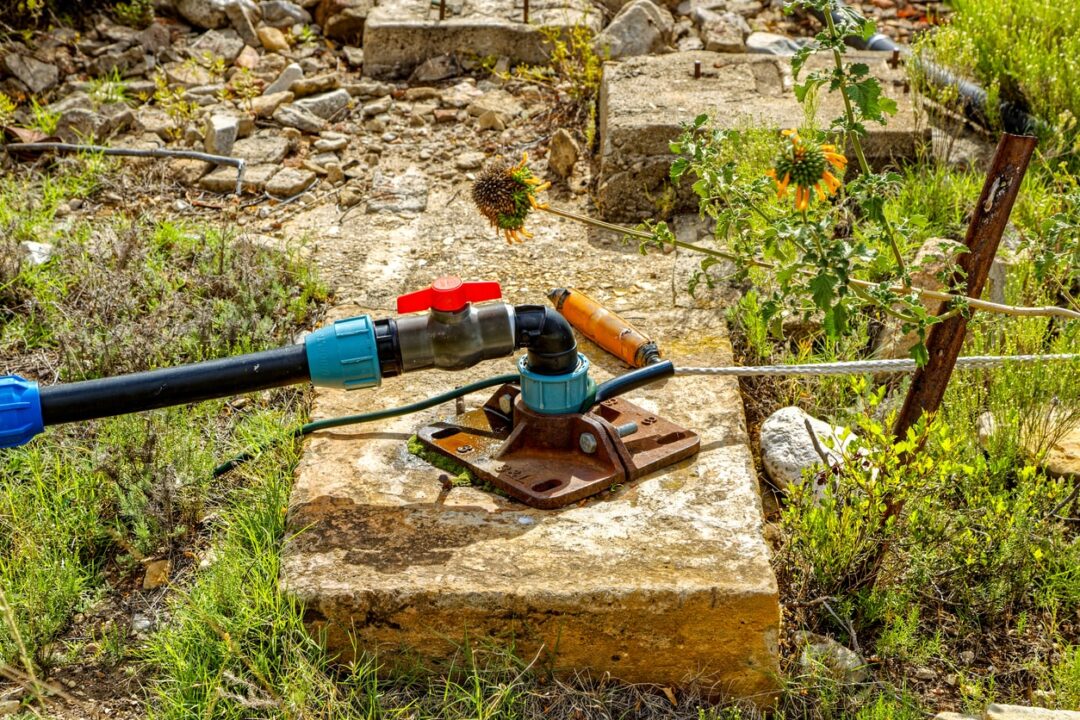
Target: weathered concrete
[
  {"x": 645, "y": 100},
  {"x": 399, "y": 35},
  {"x": 661, "y": 581}
]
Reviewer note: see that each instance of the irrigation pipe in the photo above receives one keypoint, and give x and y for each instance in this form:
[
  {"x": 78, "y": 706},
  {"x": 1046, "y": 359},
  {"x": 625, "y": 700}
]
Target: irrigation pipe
[
  {"x": 237, "y": 163},
  {"x": 855, "y": 367}
]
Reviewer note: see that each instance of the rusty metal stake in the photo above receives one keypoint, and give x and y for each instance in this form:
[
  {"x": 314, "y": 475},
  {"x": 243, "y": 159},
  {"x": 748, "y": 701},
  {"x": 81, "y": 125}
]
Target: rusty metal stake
[
  {"x": 894, "y": 61},
  {"x": 697, "y": 69},
  {"x": 525, "y": 7},
  {"x": 442, "y": 9},
  {"x": 984, "y": 233}
]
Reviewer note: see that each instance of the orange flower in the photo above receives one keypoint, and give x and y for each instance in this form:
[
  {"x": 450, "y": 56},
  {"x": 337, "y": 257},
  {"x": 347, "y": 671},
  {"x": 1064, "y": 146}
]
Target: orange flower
[{"x": 805, "y": 164}]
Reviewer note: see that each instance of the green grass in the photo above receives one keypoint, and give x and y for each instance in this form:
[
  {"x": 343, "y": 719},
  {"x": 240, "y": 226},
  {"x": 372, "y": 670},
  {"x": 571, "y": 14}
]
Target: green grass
[{"x": 1024, "y": 51}]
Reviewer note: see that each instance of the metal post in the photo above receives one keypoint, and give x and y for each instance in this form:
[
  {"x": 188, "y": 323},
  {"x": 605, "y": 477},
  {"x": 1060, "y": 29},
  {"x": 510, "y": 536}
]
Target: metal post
[
  {"x": 442, "y": 9},
  {"x": 526, "y": 12},
  {"x": 983, "y": 235},
  {"x": 697, "y": 69}
]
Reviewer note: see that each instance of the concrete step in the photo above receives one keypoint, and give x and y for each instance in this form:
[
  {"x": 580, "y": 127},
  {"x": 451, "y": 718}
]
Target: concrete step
[
  {"x": 644, "y": 101},
  {"x": 399, "y": 35}
]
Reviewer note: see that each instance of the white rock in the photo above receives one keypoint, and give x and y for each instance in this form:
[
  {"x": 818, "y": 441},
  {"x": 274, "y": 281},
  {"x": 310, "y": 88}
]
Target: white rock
[
  {"x": 787, "y": 450},
  {"x": 1020, "y": 712},
  {"x": 563, "y": 153},
  {"x": 288, "y": 76},
  {"x": 398, "y": 192},
  {"x": 724, "y": 32},
  {"x": 820, "y": 651},
  {"x": 205, "y": 14},
  {"x": 221, "y": 133},
  {"x": 36, "y": 253},
  {"x": 640, "y": 28}
]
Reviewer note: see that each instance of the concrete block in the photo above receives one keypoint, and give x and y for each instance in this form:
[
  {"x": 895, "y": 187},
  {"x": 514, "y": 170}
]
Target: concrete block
[
  {"x": 1021, "y": 712},
  {"x": 645, "y": 100},
  {"x": 663, "y": 580},
  {"x": 400, "y": 35}
]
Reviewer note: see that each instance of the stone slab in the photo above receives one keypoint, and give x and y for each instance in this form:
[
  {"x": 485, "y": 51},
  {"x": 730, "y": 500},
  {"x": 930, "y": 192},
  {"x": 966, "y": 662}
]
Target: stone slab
[
  {"x": 399, "y": 35},
  {"x": 664, "y": 580},
  {"x": 645, "y": 100}
]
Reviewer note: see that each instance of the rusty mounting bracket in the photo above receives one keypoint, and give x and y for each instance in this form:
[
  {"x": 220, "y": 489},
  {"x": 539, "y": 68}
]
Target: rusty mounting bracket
[{"x": 550, "y": 461}]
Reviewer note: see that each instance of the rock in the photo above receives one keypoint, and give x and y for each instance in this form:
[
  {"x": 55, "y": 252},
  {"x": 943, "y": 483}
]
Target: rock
[
  {"x": 79, "y": 125},
  {"x": 367, "y": 88},
  {"x": 326, "y": 105},
  {"x": 350, "y": 195},
  {"x": 141, "y": 623},
  {"x": 36, "y": 253},
  {"x": 334, "y": 174},
  {"x": 285, "y": 79},
  {"x": 499, "y": 101},
  {"x": 354, "y": 56},
  {"x": 640, "y": 28},
  {"x": 9, "y": 707},
  {"x": 967, "y": 657},
  {"x": 265, "y": 105},
  {"x": 331, "y": 145},
  {"x": 155, "y": 38},
  {"x": 283, "y": 14},
  {"x": 225, "y": 44},
  {"x": 820, "y": 652},
  {"x": 461, "y": 95},
  {"x": 445, "y": 115},
  {"x": 689, "y": 44},
  {"x": 221, "y": 133},
  {"x": 1019, "y": 712},
  {"x": 265, "y": 148},
  {"x": 469, "y": 160},
  {"x": 187, "y": 74},
  {"x": 343, "y": 19},
  {"x": 289, "y": 182},
  {"x": 419, "y": 94},
  {"x": 724, "y": 32},
  {"x": 205, "y": 14},
  {"x": 129, "y": 62},
  {"x": 954, "y": 716},
  {"x": 294, "y": 116},
  {"x": 188, "y": 172},
  {"x": 248, "y": 58},
  {"x": 563, "y": 153},
  {"x": 156, "y": 574},
  {"x": 244, "y": 17},
  {"x": 34, "y": 74},
  {"x": 398, "y": 192},
  {"x": 491, "y": 120},
  {"x": 925, "y": 673},
  {"x": 787, "y": 450},
  {"x": 435, "y": 69},
  {"x": 320, "y": 83},
  {"x": 273, "y": 39},
  {"x": 985, "y": 427},
  {"x": 150, "y": 119},
  {"x": 771, "y": 44},
  {"x": 376, "y": 107}
]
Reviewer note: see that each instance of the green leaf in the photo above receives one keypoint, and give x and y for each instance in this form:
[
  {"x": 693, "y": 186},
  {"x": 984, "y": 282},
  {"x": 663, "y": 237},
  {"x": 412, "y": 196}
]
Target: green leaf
[
  {"x": 822, "y": 289},
  {"x": 678, "y": 168}
]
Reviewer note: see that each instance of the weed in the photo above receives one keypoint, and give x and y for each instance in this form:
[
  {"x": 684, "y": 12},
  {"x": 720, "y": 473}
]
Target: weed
[
  {"x": 44, "y": 119},
  {"x": 7, "y": 109},
  {"x": 136, "y": 13},
  {"x": 171, "y": 100},
  {"x": 109, "y": 89}
]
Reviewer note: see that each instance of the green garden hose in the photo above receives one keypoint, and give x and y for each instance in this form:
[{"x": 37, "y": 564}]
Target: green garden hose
[{"x": 375, "y": 415}]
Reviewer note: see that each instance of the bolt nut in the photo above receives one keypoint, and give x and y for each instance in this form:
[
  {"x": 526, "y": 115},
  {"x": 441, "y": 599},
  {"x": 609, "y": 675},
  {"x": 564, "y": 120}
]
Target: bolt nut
[{"x": 587, "y": 443}]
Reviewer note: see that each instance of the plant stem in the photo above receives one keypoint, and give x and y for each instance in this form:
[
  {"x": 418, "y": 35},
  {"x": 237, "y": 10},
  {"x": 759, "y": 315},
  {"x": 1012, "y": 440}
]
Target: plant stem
[
  {"x": 856, "y": 143},
  {"x": 998, "y": 308}
]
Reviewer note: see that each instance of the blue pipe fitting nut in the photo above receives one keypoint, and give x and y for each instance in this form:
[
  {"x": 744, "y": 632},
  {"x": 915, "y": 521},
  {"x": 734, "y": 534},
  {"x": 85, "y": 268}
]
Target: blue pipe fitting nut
[
  {"x": 20, "y": 411},
  {"x": 344, "y": 355},
  {"x": 555, "y": 394}
]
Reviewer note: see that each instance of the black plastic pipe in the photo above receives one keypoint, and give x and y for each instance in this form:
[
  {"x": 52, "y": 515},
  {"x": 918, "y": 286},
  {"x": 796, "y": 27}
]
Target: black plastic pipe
[
  {"x": 634, "y": 379},
  {"x": 72, "y": 402},
  {"x": 974, "y": 98},
  {"x": 548, "y": 337}
]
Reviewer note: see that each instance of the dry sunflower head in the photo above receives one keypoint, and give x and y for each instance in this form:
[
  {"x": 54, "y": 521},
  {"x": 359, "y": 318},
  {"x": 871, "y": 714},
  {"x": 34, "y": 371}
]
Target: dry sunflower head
[{"x": 505, "y": 194}]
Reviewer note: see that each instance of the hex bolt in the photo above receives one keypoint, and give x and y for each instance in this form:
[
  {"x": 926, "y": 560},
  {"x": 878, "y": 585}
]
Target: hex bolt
[
  {"x": 587, "y": 443},
  {"x": 506, "y": 404},
  {"x": 697, "y": 69},
  {"x": 626, "y": 429}
]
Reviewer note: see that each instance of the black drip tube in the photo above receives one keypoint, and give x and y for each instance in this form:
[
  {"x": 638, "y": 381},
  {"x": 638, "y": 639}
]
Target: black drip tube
[
  {"x": 548, "y": 337},
  {"x": 72, "y": 402},
  {"x": 974, "y": 98}
]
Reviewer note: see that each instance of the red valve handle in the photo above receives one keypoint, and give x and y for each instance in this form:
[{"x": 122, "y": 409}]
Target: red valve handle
[{"x": 448, "y": 294}]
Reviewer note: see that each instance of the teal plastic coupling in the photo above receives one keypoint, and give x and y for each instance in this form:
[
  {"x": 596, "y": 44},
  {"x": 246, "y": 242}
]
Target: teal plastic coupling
[
  {"x": 344, "y": 355},
  {"x": 556, "y": 394}
]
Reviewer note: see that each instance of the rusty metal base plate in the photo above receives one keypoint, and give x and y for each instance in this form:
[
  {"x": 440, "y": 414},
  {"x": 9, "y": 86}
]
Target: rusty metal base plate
[{"x": 549, "y": 461}]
